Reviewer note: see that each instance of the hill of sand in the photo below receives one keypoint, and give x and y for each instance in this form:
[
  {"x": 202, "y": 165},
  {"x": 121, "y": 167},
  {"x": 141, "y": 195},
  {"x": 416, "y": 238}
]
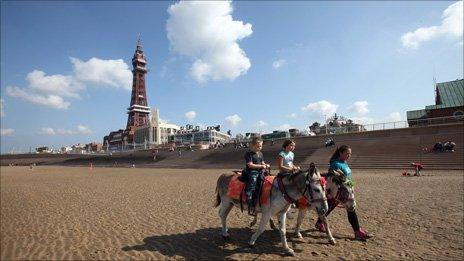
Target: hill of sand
[{"x": 51, "y": 213}]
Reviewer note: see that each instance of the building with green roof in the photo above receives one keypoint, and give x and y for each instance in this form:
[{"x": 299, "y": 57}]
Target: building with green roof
[{"x": 449, "y": 105}]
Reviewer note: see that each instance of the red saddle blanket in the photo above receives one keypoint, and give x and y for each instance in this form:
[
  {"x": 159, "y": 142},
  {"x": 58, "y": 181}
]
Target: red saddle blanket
[{"x": 236, "y": 187}]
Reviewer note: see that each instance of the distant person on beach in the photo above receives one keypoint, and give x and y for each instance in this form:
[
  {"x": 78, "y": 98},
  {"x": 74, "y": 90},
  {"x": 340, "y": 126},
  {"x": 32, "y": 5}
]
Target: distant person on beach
[
  {"x": 255, "y": 166},
  {"x": 155, "y": 154},
  {"x": 417, "y": 168},
  {"x": 338, "y": 161},
  {"x": 285, "y": 158}
]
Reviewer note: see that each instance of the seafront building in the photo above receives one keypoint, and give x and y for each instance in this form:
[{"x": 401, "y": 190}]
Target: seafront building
[
  {"x": 449, "y": 105},
  {"x": 156, "y": 132},
  {"x": 195, "y": 136}
]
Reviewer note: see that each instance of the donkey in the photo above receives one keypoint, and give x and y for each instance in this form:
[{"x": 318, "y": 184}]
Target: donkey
[
  {"x": 286, "y": 189},
  {"x": 303, "y": 206},
  {"x": 338, "y": 189}
]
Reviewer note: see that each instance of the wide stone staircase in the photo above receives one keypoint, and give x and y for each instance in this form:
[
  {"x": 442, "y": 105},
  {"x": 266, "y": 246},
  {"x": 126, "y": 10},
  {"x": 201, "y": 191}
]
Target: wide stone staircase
[{"x": 396, "y": 150}]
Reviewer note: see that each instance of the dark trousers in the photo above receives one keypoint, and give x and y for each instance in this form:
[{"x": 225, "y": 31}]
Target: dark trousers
[
  {"x": 352, "y": 216},
  {"x": 254, "y": 179}
]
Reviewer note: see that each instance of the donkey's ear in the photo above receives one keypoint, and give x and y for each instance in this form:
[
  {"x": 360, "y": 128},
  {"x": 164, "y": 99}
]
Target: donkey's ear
[
  {"x": 339, "y": 172},
  {"x": 340, "y": 175}
]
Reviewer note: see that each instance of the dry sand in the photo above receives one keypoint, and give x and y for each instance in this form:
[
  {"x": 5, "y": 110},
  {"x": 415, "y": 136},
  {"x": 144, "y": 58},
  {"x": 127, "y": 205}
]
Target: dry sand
[{"x": 121, "y": 213}]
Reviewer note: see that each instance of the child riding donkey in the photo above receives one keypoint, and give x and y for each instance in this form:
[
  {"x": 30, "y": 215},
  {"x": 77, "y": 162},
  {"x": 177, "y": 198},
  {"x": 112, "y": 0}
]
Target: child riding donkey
[{"x": 254, "y": 173}]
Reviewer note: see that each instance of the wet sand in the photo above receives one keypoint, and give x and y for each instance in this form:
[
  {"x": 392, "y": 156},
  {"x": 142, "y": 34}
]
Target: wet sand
[{"x": 74, "y": 213}]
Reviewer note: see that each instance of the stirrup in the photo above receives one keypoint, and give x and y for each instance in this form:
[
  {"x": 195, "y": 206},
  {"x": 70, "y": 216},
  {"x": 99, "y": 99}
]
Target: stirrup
[{"x": 251, "y": 208}]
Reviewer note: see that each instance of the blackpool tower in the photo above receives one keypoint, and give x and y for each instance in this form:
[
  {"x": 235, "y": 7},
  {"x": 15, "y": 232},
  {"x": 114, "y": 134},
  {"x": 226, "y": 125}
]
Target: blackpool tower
[{"x": 138, "y": 112}]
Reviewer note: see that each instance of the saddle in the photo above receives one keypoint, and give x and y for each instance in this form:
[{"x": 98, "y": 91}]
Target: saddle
[{"x": 236, "y": 189}]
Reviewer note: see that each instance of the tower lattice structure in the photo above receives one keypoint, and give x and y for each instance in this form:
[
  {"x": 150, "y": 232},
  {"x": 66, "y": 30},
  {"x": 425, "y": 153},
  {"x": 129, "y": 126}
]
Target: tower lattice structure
[{"x": 138, "y": 112}]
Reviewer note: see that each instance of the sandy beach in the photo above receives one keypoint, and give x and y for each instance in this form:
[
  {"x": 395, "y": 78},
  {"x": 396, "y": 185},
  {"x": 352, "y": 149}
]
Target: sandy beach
[{"x": 74, "y": 213}]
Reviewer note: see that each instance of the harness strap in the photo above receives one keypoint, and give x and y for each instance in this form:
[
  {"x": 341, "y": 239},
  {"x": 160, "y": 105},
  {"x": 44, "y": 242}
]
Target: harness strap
[
  {"x": 337, "y": 200},
  {"x": 282, "y": 189}
]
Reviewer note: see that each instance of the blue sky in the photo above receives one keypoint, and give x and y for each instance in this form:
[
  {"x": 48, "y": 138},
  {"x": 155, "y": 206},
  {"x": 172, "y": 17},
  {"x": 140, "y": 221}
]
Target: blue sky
[{"x": 248, "y": 66}]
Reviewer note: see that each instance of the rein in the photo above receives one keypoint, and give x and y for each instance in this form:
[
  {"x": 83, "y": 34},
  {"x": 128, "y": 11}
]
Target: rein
[
  {"x": 308, "y": 182},
  {"x": 282, "y": 189}
]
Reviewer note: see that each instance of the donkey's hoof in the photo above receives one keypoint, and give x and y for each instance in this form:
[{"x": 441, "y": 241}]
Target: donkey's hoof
[
  {"x": 226, "y": 237},
  {"x": 299, "y": 235},
  {"x": 289, "y": 252},
  {"x": 332, "y": 241},
  {"x": 251, "y": 245}
]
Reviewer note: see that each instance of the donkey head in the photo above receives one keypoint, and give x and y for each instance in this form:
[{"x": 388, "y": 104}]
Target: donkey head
[
  {"x": 341, "y": 188},
  {"x": 315, "y": 189}
]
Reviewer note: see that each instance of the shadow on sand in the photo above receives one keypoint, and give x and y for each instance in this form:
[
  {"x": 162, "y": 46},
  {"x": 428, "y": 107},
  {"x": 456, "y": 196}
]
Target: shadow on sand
[
  {"x": 314, "y": 234},
  {"x": 207, "y": 243}
]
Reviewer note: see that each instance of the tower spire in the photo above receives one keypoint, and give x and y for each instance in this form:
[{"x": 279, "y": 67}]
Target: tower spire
[
  {"x": 139, "y": 43},
  {"x": 138, "y": 112}
]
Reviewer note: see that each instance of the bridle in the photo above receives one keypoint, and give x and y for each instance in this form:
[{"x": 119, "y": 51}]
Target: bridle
[
  {"x": 338, "y": 195},
  {"x": 308, "y": 181}
]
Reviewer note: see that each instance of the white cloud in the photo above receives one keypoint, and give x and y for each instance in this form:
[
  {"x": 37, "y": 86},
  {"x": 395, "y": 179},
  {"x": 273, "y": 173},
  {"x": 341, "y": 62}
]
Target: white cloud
[
  {"x": 6, "y": 132},
  {"x": 359, "y": 107},
  {"x": 292, "y": 115},
  {"x": 321, "y": 108},
  {"x": 451, "y": 26},
  {"x": 278, "y": 63},
  {"x": 59, "y": 85},
  {"x": 284, "y": 127},
  {"x": 52, "y": 101},
  {"x": 49, "y": 90},
  {"x": 261, "y": 124},
  {"x": 363, "y": 120},
  {"x": 190, "y": 115},
  {"x": 206, "y": 32},
  {"x": 394, "y": 116},
  {"x": 233, "y": 119},
  {"x": 65, "y": 132},
  {"x": 2, "y": 113},
  {"x": 113, "y": 73},
  {"x": 82, "y": 129},
  {"x": 47, "y": 131}
]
